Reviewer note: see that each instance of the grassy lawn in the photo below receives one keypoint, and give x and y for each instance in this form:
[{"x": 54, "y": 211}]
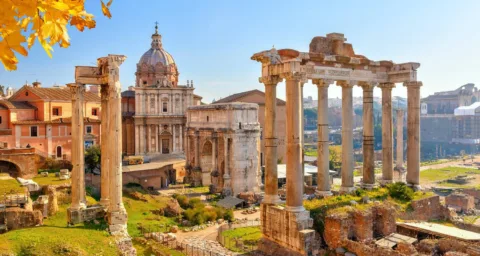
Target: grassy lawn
[
  {"x": 10, "y": 186},
  {"x": 50, "y": 180},
  {"x": 140, "y": 214},
  {"x": 433, "y": 162},
  {"x": 437, "y": 175},
  {"x": 249, "y": 236},
  {"x": 55, "y": 238}
]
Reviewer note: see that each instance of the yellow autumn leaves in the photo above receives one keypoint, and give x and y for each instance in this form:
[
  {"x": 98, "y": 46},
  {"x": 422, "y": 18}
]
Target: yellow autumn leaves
[{"x": 22, "y": 22}]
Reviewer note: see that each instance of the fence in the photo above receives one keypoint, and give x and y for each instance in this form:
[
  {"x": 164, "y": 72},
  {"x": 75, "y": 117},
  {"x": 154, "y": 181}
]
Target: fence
[{"x": 228, "y": 242}]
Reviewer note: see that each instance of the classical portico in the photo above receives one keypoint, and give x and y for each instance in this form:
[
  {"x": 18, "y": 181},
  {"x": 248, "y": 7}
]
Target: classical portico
[{"x": 329, "y": 60}]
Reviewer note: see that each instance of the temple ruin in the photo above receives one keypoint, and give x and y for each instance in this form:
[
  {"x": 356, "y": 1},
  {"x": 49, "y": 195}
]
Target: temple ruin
[
  {"x": 329, "y": 60},
  {"x": 106, "y": 74}
]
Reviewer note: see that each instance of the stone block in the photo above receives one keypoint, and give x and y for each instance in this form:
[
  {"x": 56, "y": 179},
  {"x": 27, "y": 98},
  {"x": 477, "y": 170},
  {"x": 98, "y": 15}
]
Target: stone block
[
  {"x": 337, "y": 229},
  {"x": 462, "y": 202},
  {"x": 17, "y": 218},
  {"x": 363, "y": 225},
  {"x": 384, "y": 219},
  {"x": 75, "y": 216}
]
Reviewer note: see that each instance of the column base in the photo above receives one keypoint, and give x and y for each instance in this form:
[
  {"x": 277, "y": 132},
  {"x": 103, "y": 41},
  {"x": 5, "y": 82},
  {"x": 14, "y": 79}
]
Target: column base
[
  {"x": 271, "y": 199},
  {"x": 294, "y": 208},
  {"x": 385, "y": 182},
  {"x": 322, "y": 194},
  {"x": 415, "y": 187},
  {"x": 347, "y": 190},
  {"x": 105, "y": 202},
  {"x": 368, "y": 186},
  {"x": 117, "y": 222}
]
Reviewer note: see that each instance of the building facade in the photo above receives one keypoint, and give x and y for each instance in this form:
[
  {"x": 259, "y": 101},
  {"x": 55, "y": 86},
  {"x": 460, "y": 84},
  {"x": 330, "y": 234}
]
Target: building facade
[
  {"x": 223, "y": 147},
  {"x": 40, "y": 118},
  {"x": 258, "y": 97},
  {"x": 156, "y": 106},
  {"x": 446, "y": 102}
]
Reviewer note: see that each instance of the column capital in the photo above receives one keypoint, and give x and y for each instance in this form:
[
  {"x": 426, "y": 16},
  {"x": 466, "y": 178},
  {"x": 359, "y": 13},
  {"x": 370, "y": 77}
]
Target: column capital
[
  {"x": 386, "y": 85},
  {"x": 367, "y": 86},
  {"x": 270, "y": 80},
  {"x": 76, "y": 89},
  {"x": 346, "y": 84},
  {"x": 322, "y": 82},
  {"x": 301, "y": 77},
  {"x": 413, "y": 84}
]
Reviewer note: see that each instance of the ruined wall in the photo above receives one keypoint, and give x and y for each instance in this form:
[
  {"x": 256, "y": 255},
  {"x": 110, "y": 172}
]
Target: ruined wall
[
  {"x": 426, "y": 209},
  {"x": 20, "y": 218},
  {"x": 460, "y": 202}
]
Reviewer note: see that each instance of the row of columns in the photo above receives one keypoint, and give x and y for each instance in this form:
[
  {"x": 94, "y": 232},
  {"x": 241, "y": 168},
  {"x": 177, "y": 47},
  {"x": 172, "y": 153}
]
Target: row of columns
[
  {"x": 294, "y": 137},
  {"x": 143, "y": 143},
  {"x": 143, "y": 103},
  {"x": 111, "y": 141}
]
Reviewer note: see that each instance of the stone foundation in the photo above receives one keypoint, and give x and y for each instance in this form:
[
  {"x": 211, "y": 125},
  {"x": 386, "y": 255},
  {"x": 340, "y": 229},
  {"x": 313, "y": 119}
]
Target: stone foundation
[
  {"x": 426, "y": 209},
  {"x": 118, "y": 222},
  {"x": 288, "y": 232},
  {"x": 88, "y": 214},
  {"x": 460, "y": 202},
  {"x": 20, "y": 218}
]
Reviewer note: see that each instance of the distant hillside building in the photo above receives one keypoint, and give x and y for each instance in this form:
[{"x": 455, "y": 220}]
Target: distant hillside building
[
  {"x": 258, "y": 97},
  {"x": 446, "y": 102}
]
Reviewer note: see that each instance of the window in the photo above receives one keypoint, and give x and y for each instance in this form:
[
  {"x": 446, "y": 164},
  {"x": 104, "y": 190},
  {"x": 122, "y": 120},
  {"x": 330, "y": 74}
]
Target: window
[
  {"x": 207, "y": 119},
  {"x": 165, "y": 107},
  {"x": 88, "y": 129},
  {"x": 59, "y": 151},
  {"x": 26, "y": 93},
  {"x": 33, "y": 131},
  {"x": 0, "y": 119},
  {"x": 57, "y": 111},
  {"x": 94, "y": 111}
]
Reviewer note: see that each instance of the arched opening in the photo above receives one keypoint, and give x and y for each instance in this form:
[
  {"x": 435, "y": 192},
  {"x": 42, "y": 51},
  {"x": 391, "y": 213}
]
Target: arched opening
[
  {"x": 206, "y": 157},
  {"x": 10, "y": 168},
  {"x": 59, "y": 152}
]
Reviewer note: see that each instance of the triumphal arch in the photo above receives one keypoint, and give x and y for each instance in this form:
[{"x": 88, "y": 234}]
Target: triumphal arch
[{"x": 329, "y": 60}]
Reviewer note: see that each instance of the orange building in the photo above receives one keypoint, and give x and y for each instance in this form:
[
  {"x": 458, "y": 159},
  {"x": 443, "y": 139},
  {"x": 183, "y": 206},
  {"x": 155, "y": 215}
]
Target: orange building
[{"x": 40, "y": 118}]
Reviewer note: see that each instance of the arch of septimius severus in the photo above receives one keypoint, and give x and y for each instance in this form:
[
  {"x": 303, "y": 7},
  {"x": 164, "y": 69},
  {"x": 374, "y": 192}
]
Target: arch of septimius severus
[{"x": 329, "y": 60}]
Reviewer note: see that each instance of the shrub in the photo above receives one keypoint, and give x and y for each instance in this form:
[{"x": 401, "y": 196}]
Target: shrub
[
  {"x": 210, "y": 215},
  {"x": 182, "y": 201},
  {"x": 195, "y": 203},
  {"x": 229, "y": 215},
  {"x": 400, "y": 191}
]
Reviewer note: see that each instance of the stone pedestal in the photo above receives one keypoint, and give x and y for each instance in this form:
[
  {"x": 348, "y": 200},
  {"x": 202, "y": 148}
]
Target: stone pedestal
[
  {"x": 387, "y": 133},
  {"x": 347, "y": 137},
  {"x": 76, "y": 216},
  {"x": 290, "y": 231}
]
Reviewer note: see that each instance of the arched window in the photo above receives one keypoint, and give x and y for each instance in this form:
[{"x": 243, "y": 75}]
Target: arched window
[{"x": 59, "y": 151}]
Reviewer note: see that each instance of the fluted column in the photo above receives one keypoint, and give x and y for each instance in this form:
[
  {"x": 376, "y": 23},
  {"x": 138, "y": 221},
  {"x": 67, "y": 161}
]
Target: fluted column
[
  {"x": 104, "y": 147},
  {"x": 347, "y": 136},
  {"x": 294, "y": 140},
  {"x": 387, "y": 133},
  {"x": 78, "y": 161},
  {"x": 368, "y": 137},
  {"x": 413, "y": 131},
  {"x": 323, "y": 166},
  {"x": 399, "y": 162},
  {"x": 117, "y": 218},
  {"x": 270, "y": 139}
]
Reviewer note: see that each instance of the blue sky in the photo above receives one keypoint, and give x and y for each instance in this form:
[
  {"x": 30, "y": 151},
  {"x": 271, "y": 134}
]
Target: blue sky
[{"x": 212, "y": 41}]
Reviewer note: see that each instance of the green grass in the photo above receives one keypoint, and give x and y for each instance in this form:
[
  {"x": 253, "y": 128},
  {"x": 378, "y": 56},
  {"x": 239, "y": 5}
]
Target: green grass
[
  {"x": 10, "y": 186},
  {"x": 249, "y": 236},
  {"x": 438, "y": 175},
  {"x": 50, "y": 180},
  {"x": 433, "y": 162},
  {"x": 140, "y": 214},
  {"x": 55, "y": 238},
  {"x": 147, "y": 248},
  {"x": 357, "y": 172}
]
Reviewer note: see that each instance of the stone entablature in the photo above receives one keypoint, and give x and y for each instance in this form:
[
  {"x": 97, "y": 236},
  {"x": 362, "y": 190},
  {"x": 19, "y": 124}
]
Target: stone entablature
[{"x": 223, "y": 147}]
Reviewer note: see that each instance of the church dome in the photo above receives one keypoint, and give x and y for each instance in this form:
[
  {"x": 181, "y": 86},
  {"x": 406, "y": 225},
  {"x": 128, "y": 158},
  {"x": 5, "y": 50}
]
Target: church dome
[{"x": 156, "y": 54}]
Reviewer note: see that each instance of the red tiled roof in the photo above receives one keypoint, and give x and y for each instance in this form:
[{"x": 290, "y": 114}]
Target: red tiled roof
[
  {"x": 61, "y": 94},
  {"x": 238, "y": 96}
]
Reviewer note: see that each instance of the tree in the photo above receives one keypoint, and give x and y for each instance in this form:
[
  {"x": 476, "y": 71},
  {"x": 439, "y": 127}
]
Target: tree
[
  {"x": 92, "y": 158},
  {"x": 21, "y": 22},
  {"x": 335, "y": 154}
]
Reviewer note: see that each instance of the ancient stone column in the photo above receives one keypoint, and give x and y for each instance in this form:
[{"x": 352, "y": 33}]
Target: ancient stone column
[
  {"x": 294, "y": 140},
  {"x": 413, "y": 132},
  {"x": 117, "y": 216},
  {"x": 197, "y": 148},
  {"x": 157, "y": 148},
  {"x": 137, "y": 138},
  {"x": 323, "y": 167},
  {"x": 174, "y": 132},
  {"x": 214, "y": 151},
  {"x": 227, "y": 188},
  {"x": 78, "y": 147},
  {"x": 347, "y": 137},
  {"x": 149, "y": 139},
  {"x": 270, "y": 139},
  {"x": 368, "y": 137},
  {"x": 399, "y": 162},
  {"x": 387, "y": 133},
  {"x": 104, "y": 147},
  {"x": 181, "y": 138}
]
